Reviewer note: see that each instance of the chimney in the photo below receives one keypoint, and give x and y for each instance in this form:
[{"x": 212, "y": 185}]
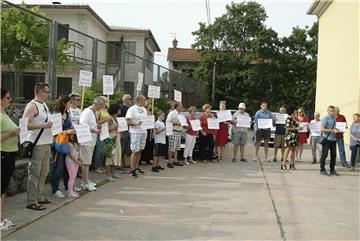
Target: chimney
[{"x": 174, "y": 42}]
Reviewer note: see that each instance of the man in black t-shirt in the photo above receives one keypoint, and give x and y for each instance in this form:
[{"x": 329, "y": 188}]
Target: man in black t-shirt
[{"x": 279, "y": 141}]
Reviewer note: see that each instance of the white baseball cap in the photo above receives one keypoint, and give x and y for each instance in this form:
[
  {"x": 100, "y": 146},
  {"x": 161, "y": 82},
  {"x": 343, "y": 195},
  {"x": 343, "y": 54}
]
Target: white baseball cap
[{"x": 242, "y": 106}]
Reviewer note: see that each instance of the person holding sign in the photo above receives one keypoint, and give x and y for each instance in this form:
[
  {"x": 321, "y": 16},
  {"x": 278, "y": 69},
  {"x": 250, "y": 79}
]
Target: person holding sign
[
  {"x": 175, "y": 138},
  {"x": 39, "y": 127},
  {"x": 87, "y": 149},
  {"x": 8, "y": 147},
  {"x": 206, "y": 136},
  {"x": 340, "y": 138},
  {"x": 355, "y": 139},
  {"x": 291, "y": 138},
  {"x": 263, "y": 133},
  {"x": 303, "y": 133},
  {"x": 190, "y": 136},
  {"x": 125, "y": 136},
  {"x": 138, "y": 136},
  {"x": 239, "y": 132},
  {"x": 328, "y": 134},
  {"x": 222, "y": 135},
  {"x": 314, "y": 136},
  {"x": 279, "y": 135},
  {"x": 160, "y": 142}
]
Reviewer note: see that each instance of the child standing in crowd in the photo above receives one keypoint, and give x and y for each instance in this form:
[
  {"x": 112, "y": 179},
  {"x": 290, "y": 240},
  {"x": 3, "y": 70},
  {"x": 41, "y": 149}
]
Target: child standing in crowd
[
  {"x": 110, "y": 147},
  {"x": 160, "y": 141},
  {"x": 72, "y": 162}
]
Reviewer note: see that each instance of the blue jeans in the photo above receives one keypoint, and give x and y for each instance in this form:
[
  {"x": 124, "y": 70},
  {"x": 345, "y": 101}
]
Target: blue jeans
[
  {"x": 354, "y": 151},
  {"x": 58, "y": 169},
  {"x": 97, "y": 154},
  {"x": 341, "y": 148}
]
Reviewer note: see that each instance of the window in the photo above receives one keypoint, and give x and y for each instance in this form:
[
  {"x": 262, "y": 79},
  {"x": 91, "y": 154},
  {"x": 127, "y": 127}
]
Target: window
[
  {"x": 114, "y": 52},
  {"x": 64, "y": 85},
  {"x": 129, "y": 87},
  {"x": 131, "y": 48},
  {"x": 63, "y": 32},
  {"x": 149, "y": 57}
]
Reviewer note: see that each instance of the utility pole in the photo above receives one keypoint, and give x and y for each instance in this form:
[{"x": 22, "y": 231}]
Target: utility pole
[{"x": 213, "y": 84}]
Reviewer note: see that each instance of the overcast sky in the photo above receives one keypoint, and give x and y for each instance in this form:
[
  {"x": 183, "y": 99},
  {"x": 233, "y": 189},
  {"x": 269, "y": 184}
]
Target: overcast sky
[{"x": 165, "y": 17}]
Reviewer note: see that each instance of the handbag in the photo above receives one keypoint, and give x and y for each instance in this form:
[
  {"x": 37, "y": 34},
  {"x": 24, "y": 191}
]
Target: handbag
[
  {"x": 322, "y": 139},
  {"x": 28, "y": 146}
]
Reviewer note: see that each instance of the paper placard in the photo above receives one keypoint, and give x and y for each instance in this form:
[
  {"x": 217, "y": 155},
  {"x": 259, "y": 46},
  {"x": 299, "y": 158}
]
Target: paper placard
[
  {"x": 341, "y": 126},
  {"x": 123, "y": 125},
  {"x": 243, "y": 121},
  {"x": 213, "y": 124},
  {"x": 224, "y": 115},
  {"x": 177, "y": 95},
  {"x": 303, "y": 127},
  {"x": 195, "y": 125},
  {"x": 148, "y": 122},
  {"x": 182, "y": 120},
  {"x": 154, "y": 91},
  {"x": 56, "y": 123},
  {"x": 265, "y": 123},
  {"x": 85, "y": 78},
  {"x": 315, "y": 127},
  {"x": 104, "y": 134},
  {"x": 281, "y": 118},
  {"x": 83, "y": 133},
  {"x": 169, "y": 129},
  {"x": 108, "y": 85},
  {"x": 23, "y": 123},
  {"x": 140, "y": 81}
]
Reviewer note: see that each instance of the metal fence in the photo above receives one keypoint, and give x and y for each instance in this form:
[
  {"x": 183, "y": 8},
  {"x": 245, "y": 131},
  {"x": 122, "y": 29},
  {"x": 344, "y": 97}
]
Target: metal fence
[{"x": 70, "y": 51}]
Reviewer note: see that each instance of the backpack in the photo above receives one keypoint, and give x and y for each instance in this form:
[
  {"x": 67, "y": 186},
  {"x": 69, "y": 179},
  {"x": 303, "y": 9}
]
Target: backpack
[{"x": 61, "y": 143}]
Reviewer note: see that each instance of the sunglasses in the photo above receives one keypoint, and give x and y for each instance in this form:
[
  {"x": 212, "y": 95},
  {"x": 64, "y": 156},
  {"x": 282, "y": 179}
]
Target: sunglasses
[{"x": 7, "y": 97}]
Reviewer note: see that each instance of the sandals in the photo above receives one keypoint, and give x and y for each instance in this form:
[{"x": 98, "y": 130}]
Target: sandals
[
  {"x": 36, "y": 207},
  {"x": 44, "y": 202}
]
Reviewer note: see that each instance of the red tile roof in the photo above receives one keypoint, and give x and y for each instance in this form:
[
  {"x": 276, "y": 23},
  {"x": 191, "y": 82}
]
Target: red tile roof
[{"x": 184, "y": 55}]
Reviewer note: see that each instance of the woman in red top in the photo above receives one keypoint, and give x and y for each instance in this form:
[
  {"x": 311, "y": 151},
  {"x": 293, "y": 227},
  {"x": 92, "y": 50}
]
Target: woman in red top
[
  {"x": 302, "y": 118},
  {"x": 222, "y": 135},
  {"x": 206, "y": 136}
]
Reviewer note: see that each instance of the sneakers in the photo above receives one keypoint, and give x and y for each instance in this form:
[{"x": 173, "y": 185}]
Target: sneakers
[
  {"x": 170, "y": 165},
  {"x": 89, "y": 188},
  {"x": 91, "y": 183},
  {"x": 139, "y": 171},
  {"x": 334, "y": 173},
  {"x": 59, "y": 194},
  {"x": 73, "y": 195},
  {"x": 324, "y": 173},
  {"x": 187, "y": 163},
  {"x": 99, "y": 170},
  {"x": 77, "y": 189},
  {"x": 192, "y": 161},
  {"x": 155, "y": 169},
  {"x": 133, "y": 174},
  {"x": 160, "y": 168},
  {"x": 6, "y": 225},
  {"x": 110, "y": 179}
]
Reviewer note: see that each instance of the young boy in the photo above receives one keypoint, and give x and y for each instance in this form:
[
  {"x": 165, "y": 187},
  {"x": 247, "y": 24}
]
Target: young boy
[{"x": 160, "y": 141}]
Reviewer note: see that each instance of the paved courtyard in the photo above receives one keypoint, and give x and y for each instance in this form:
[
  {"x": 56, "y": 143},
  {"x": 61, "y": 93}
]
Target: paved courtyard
[{"x": 222, "y": 201}]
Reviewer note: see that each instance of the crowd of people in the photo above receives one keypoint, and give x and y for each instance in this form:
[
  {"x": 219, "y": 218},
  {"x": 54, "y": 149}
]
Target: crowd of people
[{"x": 127, "y": 149}]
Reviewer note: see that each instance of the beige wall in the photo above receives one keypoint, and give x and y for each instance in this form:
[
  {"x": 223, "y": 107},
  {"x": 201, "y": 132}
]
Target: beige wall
[{"x": 338, "y": 73}]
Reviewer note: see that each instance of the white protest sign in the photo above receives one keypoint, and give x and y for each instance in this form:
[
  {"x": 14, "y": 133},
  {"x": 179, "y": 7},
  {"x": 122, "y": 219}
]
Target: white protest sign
[
  {"x": 104, "y": 134},
  {"x": 23, "y": 122},
  {"x": 195, "y": 125},
  {"x": 281, "y": 118},
  {"x": 123, "y": 126},
  {"x": 224, "y": 115},
  {"x": 265, "y": 123},
  {"x": 341, "y": 126},
  {"x": 182, "y": 120},
  {"x": 140, "y": 81},
  {"x": 108, "y": 85},
  {"x": 85, "y": 78},
  {"x": 148, "y": 122},
  {"x": 177, "y": 95},
  {"x": 154, "y": 91},
  {"x": 83, "y": 133},
  {"x": 213, "y": 124},
  {"x": 303, "y": 127},
  {"x": 315, "y": 128},
  {"x": 56, "y": 123},
  {"x": 169, "y": 129},
  {"x": 243, "y": 121}
]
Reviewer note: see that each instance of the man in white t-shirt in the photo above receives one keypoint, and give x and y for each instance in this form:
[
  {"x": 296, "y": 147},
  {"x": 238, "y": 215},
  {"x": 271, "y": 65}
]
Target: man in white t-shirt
[
  {"x": 87, "y": 149},
  {"x": 74, "y": 110},
  {"x": 134, "y": 117},
  {"x": 175, "y": 138},
  {"x": 239, "y": 134}
]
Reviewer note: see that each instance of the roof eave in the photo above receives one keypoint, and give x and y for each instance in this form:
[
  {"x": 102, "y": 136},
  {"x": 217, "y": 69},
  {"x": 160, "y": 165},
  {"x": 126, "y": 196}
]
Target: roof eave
[{"x": 319, "y": 7}]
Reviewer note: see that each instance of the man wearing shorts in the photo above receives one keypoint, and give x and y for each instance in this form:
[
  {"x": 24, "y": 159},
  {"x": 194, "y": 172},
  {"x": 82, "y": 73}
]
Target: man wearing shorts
[
  {"x": 175, "y": 138},
  {"x": 279, "y": 136},
  {"x": 125, "y": 135},
  {"x": 262, "y": 133},
  {"x": 134, "y": 117},
  {"x": 239, "y": 134}
]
